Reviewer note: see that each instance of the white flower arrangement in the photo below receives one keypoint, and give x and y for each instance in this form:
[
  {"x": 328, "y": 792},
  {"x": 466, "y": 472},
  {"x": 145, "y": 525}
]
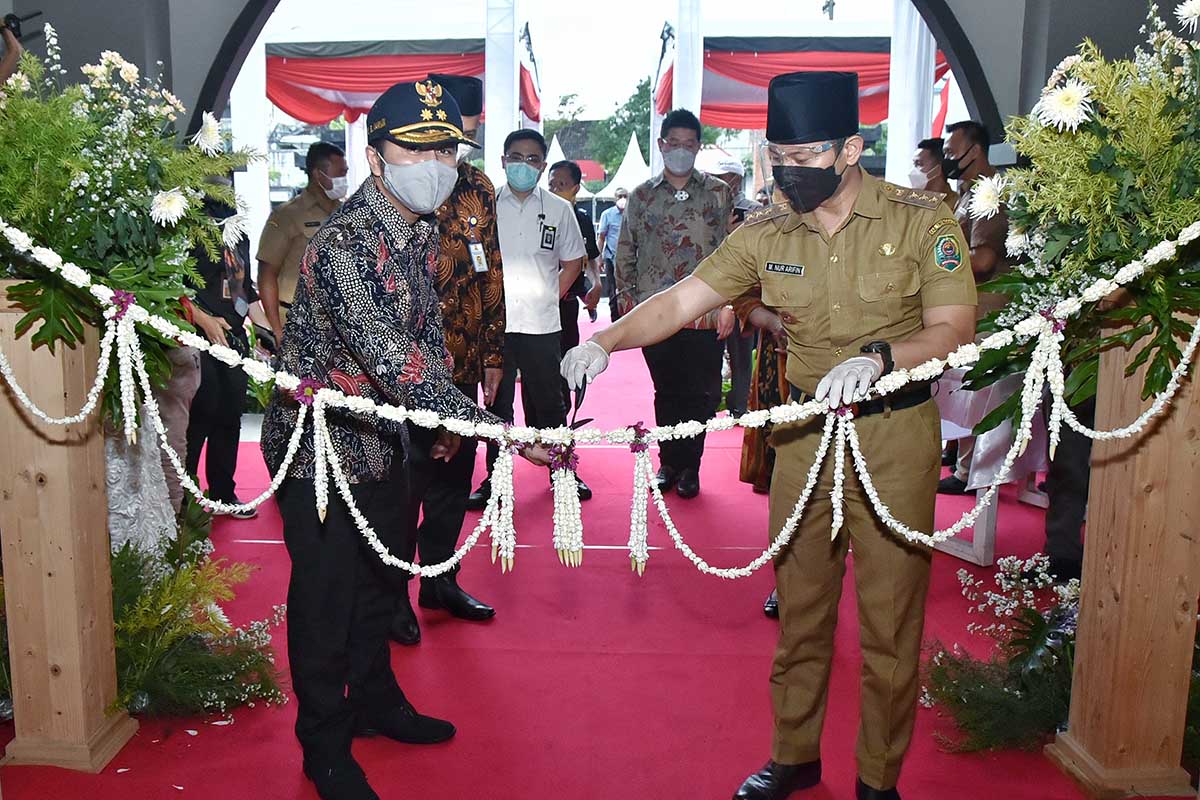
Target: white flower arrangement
[
  {"x": 233, "y": 230},
  {"x": 1188, "y": 14},
  {"x": 987, "y": 196},
  {"x": 208, "y": 138},
  {"x": 1065, "y": 107},
  {"x": 122, "y": 314},
  {"x": 168, "y": 207}
]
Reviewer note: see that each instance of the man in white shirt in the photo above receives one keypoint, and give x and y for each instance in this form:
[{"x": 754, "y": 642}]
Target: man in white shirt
[{"x": 543, "y": 253}]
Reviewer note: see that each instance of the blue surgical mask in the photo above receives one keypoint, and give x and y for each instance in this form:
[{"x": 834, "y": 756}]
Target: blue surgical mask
[{"x": 521, "y": 176}]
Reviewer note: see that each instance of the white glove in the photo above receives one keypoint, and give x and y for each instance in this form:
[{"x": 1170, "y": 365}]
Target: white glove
[
  {"x": 849, "y": 381},
  {"x": 584, "y": 361}
]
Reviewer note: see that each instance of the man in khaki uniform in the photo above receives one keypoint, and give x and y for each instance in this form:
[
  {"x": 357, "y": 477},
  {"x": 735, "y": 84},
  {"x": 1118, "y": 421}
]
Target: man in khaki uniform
[
  {"x": 866, "y": 276},
  {"x": 290, "y": 226}
]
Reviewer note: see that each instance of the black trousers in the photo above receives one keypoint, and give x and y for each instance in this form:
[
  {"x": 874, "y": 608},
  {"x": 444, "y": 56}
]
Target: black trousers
[
  {"x": 536, "y": 356},
  {"x": 610, "y": 288},
  {"x": 341, "y": 599},
  {"x": 686, "y": 370},
  {"x": 741, "y": 360},
  {"x": 1067, "y": 483},
  {"x": 216, "y": 418},
  {"x": 438, "y": 490},
  {"x": 568, "y": 312}
]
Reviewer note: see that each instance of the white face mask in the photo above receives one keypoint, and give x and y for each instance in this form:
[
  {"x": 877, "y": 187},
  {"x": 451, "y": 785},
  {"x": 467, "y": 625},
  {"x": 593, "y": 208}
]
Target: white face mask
[
  {"x": 679, "y": 161},
  {"x": 340, "y": 188},
  {"x": 917, "y": 179},
  {"x": 422, "y": 187},
  {"x": 621, "y": 203}
]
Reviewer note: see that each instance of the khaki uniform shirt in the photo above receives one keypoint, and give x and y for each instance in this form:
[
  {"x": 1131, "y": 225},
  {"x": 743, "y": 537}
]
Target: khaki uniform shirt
[
  {"x": 287, "y": 232},
  {"x": 985, "y": 233},
  {"x": 899, "y": 252}
]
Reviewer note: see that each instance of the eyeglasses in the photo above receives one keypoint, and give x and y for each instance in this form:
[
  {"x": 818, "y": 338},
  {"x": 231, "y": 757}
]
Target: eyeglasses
[
  {"x": 793, "y": 155},
  {"x": 532, "y": 160}
]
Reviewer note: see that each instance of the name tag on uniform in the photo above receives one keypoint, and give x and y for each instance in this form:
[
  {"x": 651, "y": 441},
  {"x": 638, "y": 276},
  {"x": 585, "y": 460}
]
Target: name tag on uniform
[
  {"x": 312, "y": 224},
  {"x": 549, "y": 232},
  {"x": 478, "y": 257},
  {"x": 785, "y": 269}
]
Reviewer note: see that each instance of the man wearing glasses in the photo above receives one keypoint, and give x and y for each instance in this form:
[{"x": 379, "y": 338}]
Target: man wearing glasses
[
  {"x": 866, "y": 277},
  {"x": 543, "y": 253},
  {"x": 672, "y": 222}
]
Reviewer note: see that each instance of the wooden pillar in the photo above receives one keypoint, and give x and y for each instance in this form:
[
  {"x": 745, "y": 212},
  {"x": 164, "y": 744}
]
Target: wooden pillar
[
  {"x": 1137, "y": 619},
  {"x": 58, "y": 588}
]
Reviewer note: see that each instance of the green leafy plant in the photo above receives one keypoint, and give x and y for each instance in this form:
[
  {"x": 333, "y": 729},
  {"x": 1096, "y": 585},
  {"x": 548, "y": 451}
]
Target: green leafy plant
[
  {"x": 95, "y": 172},
  {"x": 1114, "y": 154}
]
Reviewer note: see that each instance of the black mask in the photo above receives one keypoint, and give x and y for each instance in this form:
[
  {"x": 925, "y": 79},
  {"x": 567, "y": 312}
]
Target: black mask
[
  {"x": 806, "y": 187},
  {"x": 953, "y": 168}
]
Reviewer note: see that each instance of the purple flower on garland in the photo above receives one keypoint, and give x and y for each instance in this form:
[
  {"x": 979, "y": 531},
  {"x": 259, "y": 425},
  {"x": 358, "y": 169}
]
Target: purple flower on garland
[
  {"x": 845, "y": 411},
  {"x": 306, "y": 392},
  {"x": 1058, "y": 324},
  {"x": 513, "y": 446},
  {"x": 563, "y": 457},
  {"x": 640, "y": 432},
  {"x": 122, "y": 300}
]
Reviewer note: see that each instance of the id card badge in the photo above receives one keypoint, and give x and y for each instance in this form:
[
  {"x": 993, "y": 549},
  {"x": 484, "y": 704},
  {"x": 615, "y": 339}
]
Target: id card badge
[
  {"x": 478, "y": 257},
  {"x": 548, "y": 234},
  {"x": 226, "y": 294}
]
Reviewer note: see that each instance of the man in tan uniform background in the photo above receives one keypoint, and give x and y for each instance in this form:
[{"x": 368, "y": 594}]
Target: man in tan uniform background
[
  {"x": 866, "y": 276},
  {"x": 290, "y": 226}
]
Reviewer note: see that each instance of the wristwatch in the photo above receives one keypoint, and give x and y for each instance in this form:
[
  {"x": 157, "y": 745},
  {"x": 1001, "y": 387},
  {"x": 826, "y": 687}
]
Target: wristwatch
[{"x": 885, "y": 352}]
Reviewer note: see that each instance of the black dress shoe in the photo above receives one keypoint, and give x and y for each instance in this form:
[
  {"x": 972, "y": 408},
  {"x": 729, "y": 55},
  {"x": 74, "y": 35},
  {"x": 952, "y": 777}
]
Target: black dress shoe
[
  {"x": 951, "y": 484},
  {"x": 778, "y": 781},
  {"x": 402, "y": 723},
  {"x": 478, "y": 499},
  {"x": 771, "y": 606},
  {"x": 342, "y": 781},
  {"x": 444, "y": 593},
  {"x": 689, "y": 484},
  {"x": 585, "y": 491},
  {"x": 864, "y": 792},
  {"x": 666, "y": 478},
  {"x": 950, "y": 454},
  {"x": 404, "y": 628}
]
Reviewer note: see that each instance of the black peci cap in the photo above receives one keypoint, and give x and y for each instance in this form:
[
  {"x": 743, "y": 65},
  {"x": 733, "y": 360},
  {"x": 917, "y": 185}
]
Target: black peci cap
[
  {"x": 467, "y": 91},
  {"x": 805, "y": 107},
  {"x": 421, "y": 114}
]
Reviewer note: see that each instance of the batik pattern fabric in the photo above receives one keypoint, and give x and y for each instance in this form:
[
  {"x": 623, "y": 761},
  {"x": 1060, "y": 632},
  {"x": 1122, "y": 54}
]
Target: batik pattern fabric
[{"x": 366, "y": 321}]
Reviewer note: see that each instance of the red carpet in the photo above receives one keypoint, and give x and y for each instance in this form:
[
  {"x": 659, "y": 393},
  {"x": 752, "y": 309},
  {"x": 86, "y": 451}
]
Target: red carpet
[{"x": 591, "y": 684}]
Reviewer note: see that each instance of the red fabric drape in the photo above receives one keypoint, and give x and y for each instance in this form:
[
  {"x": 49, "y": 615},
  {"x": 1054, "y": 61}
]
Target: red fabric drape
[
  {"x": 757, "y": 70},
  {"x": 531, "y": 104},
  {"x": 939, "y": 119},
  {"x": 290, "y": 81}
]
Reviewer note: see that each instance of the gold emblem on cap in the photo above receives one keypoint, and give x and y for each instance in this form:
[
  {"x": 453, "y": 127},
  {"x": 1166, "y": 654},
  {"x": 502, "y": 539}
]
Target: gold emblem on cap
[
  {"x": 426, "y": 114},
  {"x": 441, "y": 115},
  {"x": 430, "y": 93},
  {"x": 887, "y": 249}
]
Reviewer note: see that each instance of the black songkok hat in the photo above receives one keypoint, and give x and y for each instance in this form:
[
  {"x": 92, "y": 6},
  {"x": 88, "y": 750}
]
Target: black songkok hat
[
  {"x": 419, "y": 115},
  {"x": 468, "y": 91},
  {"x": 807, "y": 107}
]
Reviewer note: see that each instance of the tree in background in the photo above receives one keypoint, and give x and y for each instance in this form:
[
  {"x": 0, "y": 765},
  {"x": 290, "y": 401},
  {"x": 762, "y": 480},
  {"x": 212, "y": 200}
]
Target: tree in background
[{"x": 609, "y": 137}]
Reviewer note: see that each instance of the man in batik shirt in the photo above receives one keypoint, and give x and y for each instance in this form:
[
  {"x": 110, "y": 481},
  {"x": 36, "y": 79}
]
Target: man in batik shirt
[
  {"x": 470, "y": 284},
  {"x": 365, "y": 321},
  {"x": 672, "y": 223}
]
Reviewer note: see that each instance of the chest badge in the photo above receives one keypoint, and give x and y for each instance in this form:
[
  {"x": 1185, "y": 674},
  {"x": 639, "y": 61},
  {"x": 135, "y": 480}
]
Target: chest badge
[
  {"x": 785, "y": 269},
  {"x": 887, "y": 249},
  {"x": 682, "y": 195}
]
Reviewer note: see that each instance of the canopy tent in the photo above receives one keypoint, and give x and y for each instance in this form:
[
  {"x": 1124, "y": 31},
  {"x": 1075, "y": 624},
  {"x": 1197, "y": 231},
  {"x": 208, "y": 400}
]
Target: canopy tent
[
  {"x": 632, "y": 172},
  {"x": 737, "y": 70},
  {"x": 318, "y": 82}
]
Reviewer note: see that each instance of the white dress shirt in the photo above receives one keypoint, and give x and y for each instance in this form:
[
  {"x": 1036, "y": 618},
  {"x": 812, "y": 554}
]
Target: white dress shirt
[{"x": 535, "y": 237}]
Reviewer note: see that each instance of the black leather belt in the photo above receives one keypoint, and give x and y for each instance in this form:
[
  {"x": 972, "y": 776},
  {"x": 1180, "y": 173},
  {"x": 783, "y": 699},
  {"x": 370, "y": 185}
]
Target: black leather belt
[{"x": 908, "y": 398}]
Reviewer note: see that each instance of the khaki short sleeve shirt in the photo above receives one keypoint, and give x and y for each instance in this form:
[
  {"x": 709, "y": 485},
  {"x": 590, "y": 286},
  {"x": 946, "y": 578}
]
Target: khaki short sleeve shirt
[
  {"x": 900, "y": 251},
  {"x": 286, "y": 235}
]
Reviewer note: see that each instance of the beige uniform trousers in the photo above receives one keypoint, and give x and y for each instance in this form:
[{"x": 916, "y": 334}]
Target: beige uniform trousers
[{"x": 903, "y": 452}]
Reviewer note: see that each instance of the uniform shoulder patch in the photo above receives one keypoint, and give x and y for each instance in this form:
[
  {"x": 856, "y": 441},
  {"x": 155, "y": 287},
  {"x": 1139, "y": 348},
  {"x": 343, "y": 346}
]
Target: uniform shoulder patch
[
  {"x": 774, "y": 211},
  {"x": 947, "y": 253},
  {"x": 941, "y": 225},
  {"x": 911, "y": 197}
]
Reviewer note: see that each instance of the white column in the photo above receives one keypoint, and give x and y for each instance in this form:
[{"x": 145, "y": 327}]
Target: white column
[
  {"x": 689, "y": 57},
  {"x": 502, "y": 69},
  {"x": 248, "y": 106},
  {"x": 910, "y": 85},
  {"x": 356, "y": 152}
]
